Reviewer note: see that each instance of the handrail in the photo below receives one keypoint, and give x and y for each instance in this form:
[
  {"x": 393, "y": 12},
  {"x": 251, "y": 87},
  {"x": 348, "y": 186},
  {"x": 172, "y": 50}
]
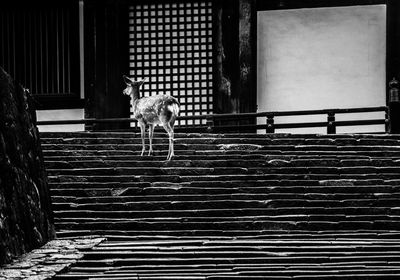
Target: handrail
[{"x": 270, "y": 126}]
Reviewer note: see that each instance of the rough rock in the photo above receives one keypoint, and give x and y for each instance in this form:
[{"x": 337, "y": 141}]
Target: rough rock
[{"x": 25, "y": 215}]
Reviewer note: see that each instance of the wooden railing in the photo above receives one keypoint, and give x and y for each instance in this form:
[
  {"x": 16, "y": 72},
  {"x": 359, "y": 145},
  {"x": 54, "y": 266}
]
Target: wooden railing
[{"x": 214, "y": 122}]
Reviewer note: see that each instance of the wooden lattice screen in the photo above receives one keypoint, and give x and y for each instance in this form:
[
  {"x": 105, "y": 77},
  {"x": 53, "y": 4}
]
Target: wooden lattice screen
[{"x": 171, "y": 45}]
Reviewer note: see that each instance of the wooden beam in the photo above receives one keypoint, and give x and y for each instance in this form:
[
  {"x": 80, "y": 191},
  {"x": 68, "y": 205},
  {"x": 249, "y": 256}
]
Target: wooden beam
[{"x": 247, "y": 56}]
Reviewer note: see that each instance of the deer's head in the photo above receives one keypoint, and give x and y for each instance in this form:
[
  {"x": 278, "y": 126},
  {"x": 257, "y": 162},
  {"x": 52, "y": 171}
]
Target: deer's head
[{"x": 132, "y": 86}]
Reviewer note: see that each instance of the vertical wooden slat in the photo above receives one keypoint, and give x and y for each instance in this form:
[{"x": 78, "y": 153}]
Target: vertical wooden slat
[
  {"x": 8, "y": 43},
  {"x": 36, "y": 50},
  {"x": 81, "y": 49},
  {"x": 46, "y": 51},
  {"x": 25, "y": 55},
  {"x": 57, "y": 51},
  {"x": 42, "y": 54},
  {"x": 13, "y": 44},
  {"x": 68, "y": 54},
  {"x": 51, "y": 54},
  {"x": 2, "y": 36},
  {"x": 30, "y": 53},
  {"x": 63, "y": 75}
]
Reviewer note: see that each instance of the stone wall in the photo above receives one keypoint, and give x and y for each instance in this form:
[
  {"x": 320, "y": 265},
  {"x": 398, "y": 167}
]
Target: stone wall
[{"x": 26, "y": 220}]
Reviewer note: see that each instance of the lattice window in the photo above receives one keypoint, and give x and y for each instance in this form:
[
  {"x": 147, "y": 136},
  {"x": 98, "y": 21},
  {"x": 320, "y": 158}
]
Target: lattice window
[{"x": 171, "y": 44}]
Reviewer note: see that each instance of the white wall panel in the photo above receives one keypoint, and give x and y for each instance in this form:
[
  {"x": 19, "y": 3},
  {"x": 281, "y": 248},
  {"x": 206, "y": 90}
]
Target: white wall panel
[{"x": 321, "y": 58}]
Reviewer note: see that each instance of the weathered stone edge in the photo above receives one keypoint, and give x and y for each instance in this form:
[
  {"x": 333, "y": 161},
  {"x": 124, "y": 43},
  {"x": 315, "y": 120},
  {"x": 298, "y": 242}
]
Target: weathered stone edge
[{"x": 50, "y": 259}]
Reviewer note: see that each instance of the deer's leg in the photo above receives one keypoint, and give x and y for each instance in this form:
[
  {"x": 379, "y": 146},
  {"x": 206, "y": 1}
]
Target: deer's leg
[
  {"x": 151, "y": 131},
  {"x": 170, "y": 132},
  {"x": 142, "y": 135}
]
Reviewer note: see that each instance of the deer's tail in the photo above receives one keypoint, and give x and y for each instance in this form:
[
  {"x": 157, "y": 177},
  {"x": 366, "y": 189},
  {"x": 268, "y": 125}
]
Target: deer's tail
[{"x": 174, "y": 108}]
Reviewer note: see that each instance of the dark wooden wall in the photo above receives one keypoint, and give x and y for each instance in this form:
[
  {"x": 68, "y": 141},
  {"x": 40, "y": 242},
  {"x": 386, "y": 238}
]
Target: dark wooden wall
[{"x": 106, "y": 60}]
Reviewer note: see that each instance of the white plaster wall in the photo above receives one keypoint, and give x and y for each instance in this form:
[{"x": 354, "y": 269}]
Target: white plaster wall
[
  {"x": 322, "y": 58},
  {"x": 65, "y": 114}
]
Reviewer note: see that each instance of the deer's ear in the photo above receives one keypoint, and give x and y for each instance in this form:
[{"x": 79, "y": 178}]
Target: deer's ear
[
  {"x": 127, "y": 80},
  {"x": 142, "y": 82}
]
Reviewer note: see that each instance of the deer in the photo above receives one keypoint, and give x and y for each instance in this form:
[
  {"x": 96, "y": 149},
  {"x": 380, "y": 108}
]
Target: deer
[{"x": 153, "y": 110}]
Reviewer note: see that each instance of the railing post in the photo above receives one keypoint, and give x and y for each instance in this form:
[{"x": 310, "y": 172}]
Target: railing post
[
  {"x": 394, "y": 107},
  {"x": 270, "y": 124},
  {"x": 387, "y": 121},
  {"x": 331, "y": 128},
  {"x": 210, "y": 124}
]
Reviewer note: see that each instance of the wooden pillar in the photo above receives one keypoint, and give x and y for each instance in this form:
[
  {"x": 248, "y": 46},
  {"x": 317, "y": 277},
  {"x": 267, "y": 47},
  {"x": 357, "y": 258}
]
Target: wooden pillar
[
  {"x": 106, "y": 60},
  {"x": 89, "y": 26},
  {"x": 225, "y": 14},
  {"x": 247, "y": 56},
  {"x": 234, "y": 53},
  {"x": 393, "y": 60}
]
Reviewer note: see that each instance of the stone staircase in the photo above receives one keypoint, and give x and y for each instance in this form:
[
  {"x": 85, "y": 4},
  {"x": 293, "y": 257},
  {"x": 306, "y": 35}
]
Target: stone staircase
[{"x": 229, "y": 206}]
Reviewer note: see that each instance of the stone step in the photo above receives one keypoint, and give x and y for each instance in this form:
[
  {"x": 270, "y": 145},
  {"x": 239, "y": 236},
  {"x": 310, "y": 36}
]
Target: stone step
[
  {"x": 218, "y": 227},
  {"x": 229, "y": 206},
  {"x": 96, "y": 163},
  {"x": 230, "y": 184},
  {"x": 221, "y": 147},
  {"x": 287, "y": 241},
  {"x": 229, "y": 203},
  {"x": 224, "y": 188},
  {"x": 260, "y": 170},
  {"x": 123, "y": 235},
  {"x": 240, "y": 275},
  {"x": 161, "y": 133},
  {"x": 193, "y": 154},
  {"x": 243, "y": 261},
  {"x": 216, "y": 157},
  {"x": 226, "y": 140},
  {"x": 287, "y": 213},
  {"x": 236, "y": 196},
  {"x": 235, "y": 253},
  {"x": 189, "y": 222},
  {"x": 379, "y": 178}
]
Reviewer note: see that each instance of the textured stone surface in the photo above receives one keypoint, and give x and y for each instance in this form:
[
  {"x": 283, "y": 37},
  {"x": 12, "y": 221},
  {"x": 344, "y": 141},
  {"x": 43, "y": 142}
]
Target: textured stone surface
[
  {"x": 237, "y": 206},
  {"x": 25, "y": 214},
  {"x": 47, "y": 261}
]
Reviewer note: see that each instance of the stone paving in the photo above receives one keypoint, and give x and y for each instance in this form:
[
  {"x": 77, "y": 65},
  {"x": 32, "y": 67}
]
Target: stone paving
[{"x": 47, "y": 261}]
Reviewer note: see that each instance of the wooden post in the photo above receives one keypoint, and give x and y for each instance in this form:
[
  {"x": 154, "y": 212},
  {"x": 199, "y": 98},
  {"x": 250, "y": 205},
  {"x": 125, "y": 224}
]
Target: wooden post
[
  {"x": 331, "y": 128},
  {"x": 394, "y": 107},
  {"x": 387, "y": 121},
  {"x": 210, "y": 124},
  {"x": 270, "y": 124}
]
